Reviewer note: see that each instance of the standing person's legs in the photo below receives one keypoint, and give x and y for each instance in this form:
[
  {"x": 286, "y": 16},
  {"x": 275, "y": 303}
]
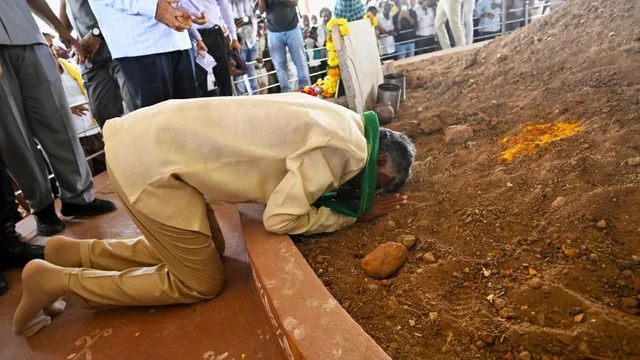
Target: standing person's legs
[
  {"x": 250, "y": 55},
  {"x": 401, "y": 50},
  {"x": 295, "y": 44},
  {"x": 440, "y": 24},
  {"x": 278, "y": 52},
  {"x": 217, "y": 47},
  {"x": 467, "y": 17},
  {"x": 103, "y": 92},
  {"x": 149, "y": 78},
  {"x": 190, "y": 270},
  {"x": 453, "y": 9},
  {"x": 117, "y": 74},
  {"x": 184, "y": 80},
  {"x": 34, "y": 106}
]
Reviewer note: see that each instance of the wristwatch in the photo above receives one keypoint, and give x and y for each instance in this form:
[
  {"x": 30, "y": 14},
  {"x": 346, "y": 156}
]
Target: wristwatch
[{"x": 96, "y": 32}]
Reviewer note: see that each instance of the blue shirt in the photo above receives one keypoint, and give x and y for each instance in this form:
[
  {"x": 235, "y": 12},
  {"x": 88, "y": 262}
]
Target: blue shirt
[{"x": 130, "y": 28}]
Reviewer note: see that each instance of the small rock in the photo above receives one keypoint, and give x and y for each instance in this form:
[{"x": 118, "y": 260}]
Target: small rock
[
  {"x": 602, "y": 224},
  {"x": 384, "y": 260},
  {"x": 570, "y": 253},
  {"x": 372, "y": 287},
  {"x": 488, "y": 338},
  {"x": 441, "y": 262},
  {"x": 635, "y": 259},
  {"x": 458, "y": 134},
  {"x": 566, "y": 339},
  {"x": 385, "y": 113},
  {"x": 508, "y": 356},
  {"x": 499, "y": 304},
  {"x": 594, "y": 258},
  {"x": 433, "y": 316},
  {"x": 535, "y": 283},
  {"x": 393, "y": 302},
  {"x": 628, "y": 303},
  {"x": 389, "y": 225},
  {"x": 507, "y": 313},
  {"x": 481, "y": 345},
  {"x": 430, "y": 124},
  {"x": 429, "y": 258},
  {"x": 560, "y": 201},
  {"x": 627, "y": 274},
  {"x": 525, "y": 355},
  {"x": 386, "y": 282},
  {"x": 578, "y": 318},
  {"x": 633, "y": 161},
  {"x": 407, "y": 240}
]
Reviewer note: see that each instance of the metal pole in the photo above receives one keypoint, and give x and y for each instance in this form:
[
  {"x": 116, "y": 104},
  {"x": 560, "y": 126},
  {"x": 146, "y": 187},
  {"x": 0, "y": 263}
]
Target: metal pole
[
  {"x": 526, "y": 12},
  {"x": 504, "y": 17}
]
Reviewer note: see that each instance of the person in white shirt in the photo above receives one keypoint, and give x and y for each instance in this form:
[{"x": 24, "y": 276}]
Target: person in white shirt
[
  {"x": 489, "y": 12},
  {"x": 386, "y": 42},
  {"x": 450, "y": 10},
  {"x": 149, "y": 41},
  {"x": 426, "y": 12},
  {"x": 83, "y": 123}
]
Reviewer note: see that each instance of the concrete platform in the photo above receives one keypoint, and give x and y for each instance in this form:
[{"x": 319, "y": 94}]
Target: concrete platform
[{"x": 231, "y": 326}]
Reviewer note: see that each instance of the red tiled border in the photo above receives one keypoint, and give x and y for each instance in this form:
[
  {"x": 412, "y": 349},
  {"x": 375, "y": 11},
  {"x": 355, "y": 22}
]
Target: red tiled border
[{"x": 307, "y": 321}]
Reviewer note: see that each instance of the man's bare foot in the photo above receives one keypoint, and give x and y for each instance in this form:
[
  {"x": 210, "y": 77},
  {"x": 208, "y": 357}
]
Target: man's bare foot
[
  {"x": 63, "y": 251},
  {"x": 42, "y": 284}
]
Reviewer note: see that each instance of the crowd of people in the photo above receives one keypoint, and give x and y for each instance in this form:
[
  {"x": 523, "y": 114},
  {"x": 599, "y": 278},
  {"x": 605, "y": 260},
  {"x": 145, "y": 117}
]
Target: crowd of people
[{"x": 56, "y": 92}]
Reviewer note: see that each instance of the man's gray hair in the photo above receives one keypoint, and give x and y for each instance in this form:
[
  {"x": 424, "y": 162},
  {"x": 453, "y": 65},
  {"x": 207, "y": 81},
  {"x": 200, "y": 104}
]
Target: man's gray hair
[{"x": 401, "y": 153}]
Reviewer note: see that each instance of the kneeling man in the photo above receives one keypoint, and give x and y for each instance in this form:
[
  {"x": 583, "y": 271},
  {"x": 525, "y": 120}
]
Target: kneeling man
[{"x": 169, "y": 161}]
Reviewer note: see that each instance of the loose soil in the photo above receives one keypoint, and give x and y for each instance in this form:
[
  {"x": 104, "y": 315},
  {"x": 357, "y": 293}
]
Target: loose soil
[{"x": 566, "y": 282}]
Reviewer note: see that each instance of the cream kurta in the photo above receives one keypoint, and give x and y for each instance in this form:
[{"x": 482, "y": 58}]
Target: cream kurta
[{"x": 284, "y": 150}]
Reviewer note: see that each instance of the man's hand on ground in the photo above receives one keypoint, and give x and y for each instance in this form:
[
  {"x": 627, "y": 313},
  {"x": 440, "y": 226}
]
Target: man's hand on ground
[
  {"x": 79, "y": 110},
  {"x": 90, "y": 44},
  {"x": 178, "y": 20},
  {"x": 383, "y": 205}
]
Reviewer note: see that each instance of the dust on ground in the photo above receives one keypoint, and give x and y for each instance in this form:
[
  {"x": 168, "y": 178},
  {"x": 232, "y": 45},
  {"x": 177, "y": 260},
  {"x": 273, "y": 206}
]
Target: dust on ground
[{"x": 490, "y": 224}]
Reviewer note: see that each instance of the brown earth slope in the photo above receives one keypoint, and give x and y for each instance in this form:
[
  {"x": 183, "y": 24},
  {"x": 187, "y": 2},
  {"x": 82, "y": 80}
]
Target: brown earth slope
[{"x": 478, "y": 216}]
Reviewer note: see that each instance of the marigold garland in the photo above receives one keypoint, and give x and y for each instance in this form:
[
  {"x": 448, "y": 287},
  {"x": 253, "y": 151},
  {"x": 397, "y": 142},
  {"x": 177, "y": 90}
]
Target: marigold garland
[{"x": 328, "y": 86}]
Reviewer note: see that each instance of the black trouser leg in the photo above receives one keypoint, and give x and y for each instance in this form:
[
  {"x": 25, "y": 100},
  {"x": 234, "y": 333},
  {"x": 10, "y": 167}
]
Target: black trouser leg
[
  {"x": 217, "y": 47},
  {"x": 155, "y": 78}
]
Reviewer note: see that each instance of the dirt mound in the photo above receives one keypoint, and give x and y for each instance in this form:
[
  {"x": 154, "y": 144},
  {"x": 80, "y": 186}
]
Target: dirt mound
[{"x": 540, "y": 254}]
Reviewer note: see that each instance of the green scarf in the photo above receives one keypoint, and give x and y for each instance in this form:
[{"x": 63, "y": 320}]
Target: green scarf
[{"x": 369, "y": 174}]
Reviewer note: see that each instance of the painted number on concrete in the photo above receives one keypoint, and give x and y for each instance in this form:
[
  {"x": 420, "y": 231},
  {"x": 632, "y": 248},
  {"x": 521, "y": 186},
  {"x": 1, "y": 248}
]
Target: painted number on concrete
[{"x": 88, "y": 340}]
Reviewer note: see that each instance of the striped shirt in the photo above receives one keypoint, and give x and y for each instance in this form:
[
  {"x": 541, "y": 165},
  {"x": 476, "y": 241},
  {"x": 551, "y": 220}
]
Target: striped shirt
[{"x": 130, "y": 28}]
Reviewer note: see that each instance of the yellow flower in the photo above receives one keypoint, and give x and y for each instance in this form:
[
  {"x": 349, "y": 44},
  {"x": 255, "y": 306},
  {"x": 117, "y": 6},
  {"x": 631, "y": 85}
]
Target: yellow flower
[
  {"x": 344, "y": 31},
  {"x": 333, "y": 54},
  {"x": 333, "y": 62},
  {"x": 331, "y": 46},
  {"x": 329, "y": 39}
]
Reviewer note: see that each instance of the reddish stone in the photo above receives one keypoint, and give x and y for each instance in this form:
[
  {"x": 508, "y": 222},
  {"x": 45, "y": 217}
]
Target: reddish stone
[{"x": 384, "y": 260}]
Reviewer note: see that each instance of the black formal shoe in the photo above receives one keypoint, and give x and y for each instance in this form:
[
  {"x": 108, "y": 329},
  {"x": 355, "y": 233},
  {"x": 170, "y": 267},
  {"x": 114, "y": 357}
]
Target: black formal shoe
[
  {"x": 15, "y": 253},
  {"x": 4, "y": 285},
  {"x": 48, "y": 222},
  {"x": 94, "y": 208}
]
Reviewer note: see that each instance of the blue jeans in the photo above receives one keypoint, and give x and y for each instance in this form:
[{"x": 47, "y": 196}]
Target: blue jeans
[
  {"x": 248, "y": 55},
  {"x": 278, "y": 44},
  {"x": 405, "y": 50}
]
